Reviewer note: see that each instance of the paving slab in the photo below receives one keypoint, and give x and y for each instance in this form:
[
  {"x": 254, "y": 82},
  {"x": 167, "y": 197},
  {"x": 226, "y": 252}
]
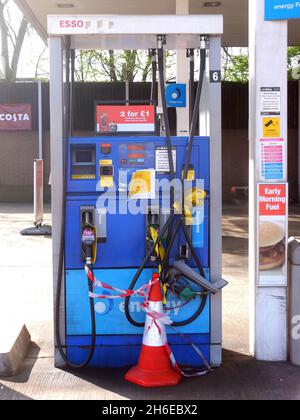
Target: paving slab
[
  {"x": 14, "y": 346},
  {"x": 26, "y": 269}
]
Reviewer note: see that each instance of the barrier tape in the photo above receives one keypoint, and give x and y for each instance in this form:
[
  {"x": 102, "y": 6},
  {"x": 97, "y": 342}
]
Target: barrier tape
[
  {"x": 166, "y": 320},
  {"x": 156, "y": 316},
  {"x": 121, "y": 293}
]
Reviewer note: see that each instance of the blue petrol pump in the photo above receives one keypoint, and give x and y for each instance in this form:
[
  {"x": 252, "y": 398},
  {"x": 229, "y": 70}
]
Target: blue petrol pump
[
  {"x": 121, "y": 249},
  {"x": 136, "y": 204}
]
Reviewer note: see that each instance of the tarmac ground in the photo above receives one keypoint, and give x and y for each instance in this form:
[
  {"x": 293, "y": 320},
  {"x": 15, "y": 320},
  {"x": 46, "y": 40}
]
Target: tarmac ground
[{"x": 26, "y": 293}]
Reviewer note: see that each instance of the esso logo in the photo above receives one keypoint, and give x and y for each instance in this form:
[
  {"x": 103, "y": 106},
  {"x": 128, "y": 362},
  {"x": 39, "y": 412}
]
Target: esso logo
[{"x": 75, "y": 24}]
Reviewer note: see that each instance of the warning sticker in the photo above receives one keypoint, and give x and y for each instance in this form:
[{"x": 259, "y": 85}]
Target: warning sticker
[
  {"x": 272, "y": 160},
  {"x": 271, "y": 127},
  {"x": 270, "y": 101},
  {"x": 162, "y": 160},
  {"x": 142, "y": 186}
]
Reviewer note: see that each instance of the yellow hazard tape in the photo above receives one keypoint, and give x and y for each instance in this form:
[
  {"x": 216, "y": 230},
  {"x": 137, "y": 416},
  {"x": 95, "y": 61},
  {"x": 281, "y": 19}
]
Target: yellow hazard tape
[{"x": 160, "y": 251}]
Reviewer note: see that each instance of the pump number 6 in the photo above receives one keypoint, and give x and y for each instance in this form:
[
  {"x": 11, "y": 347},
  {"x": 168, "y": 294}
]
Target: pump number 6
[{"x": 215, "y": 76}]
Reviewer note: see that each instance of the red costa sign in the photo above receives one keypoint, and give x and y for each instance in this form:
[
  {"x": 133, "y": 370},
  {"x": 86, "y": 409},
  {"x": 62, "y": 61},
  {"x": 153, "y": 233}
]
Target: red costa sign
[{"x": 15, "y": 117}]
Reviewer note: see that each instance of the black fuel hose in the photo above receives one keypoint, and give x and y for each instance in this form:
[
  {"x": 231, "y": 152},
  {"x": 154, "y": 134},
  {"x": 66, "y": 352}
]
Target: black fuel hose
[
  {"x": 61, "y": 259},
  {"x": 60, "y": 279},
  {"x": 87, "y": 361},
  {"x": 181, "y": 222},
  {"x": 161, "y": 70},
  {"x": 195, "y": 119}
]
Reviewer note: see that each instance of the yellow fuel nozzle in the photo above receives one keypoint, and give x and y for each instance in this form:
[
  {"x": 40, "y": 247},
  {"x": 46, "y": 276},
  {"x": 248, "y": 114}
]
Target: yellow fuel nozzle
[{"x": 195, "y": 198}]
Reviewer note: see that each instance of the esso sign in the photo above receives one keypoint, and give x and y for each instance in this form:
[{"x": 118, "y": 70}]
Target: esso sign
[{"x": 75, "y": 24}]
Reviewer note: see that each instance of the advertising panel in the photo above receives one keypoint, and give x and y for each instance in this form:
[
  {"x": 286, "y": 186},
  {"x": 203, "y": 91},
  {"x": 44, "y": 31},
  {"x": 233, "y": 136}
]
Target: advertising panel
[
  {"x": 273, "y": 235},
  {"x": 111, "y": 119},
  {"x": 15, "y": 117},
  {"x": 282, "y": 9}
]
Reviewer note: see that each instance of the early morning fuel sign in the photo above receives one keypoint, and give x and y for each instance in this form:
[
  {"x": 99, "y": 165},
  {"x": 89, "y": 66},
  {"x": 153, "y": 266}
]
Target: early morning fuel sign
[{"x": 282, "y": 9}]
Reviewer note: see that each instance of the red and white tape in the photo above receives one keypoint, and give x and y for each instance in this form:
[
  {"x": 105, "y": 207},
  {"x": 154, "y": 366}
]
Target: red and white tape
[
  {"x": 162, "y": 317},
  {"x": 121, "y": 293}
]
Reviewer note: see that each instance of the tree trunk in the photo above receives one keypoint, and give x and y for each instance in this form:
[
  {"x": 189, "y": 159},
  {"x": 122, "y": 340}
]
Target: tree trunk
[
  {"x": 17, "y": 50},
  {"x": 112, "y": 66},
  {"x": 4, "y": 41},
  {"x": 11, "y": 68}
]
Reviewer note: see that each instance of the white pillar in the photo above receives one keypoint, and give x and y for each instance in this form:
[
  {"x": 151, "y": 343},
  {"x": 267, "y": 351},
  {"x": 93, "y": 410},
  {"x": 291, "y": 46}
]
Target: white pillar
[
  {"x": 299, "y": 142},
  {"x": 57, "y": 135},
  {"x": 268, "y": 68},
  {"x": 183, "y": 75},
  {"x": 204, "y": 118},
  {"x": 214, "y": 128},
  {"x": 40, "y": 106}
]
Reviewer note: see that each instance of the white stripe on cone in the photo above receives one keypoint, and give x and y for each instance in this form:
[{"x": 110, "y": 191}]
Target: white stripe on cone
[{"x": 155, "y": 332}]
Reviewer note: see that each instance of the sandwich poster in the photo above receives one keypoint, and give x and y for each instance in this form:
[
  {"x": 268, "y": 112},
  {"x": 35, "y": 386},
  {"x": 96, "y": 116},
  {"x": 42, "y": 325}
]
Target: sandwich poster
[{"x": 273, "y": 236}]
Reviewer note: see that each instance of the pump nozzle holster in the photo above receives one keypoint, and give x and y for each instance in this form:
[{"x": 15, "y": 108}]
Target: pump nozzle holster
[{"x": 180, "y": 269}]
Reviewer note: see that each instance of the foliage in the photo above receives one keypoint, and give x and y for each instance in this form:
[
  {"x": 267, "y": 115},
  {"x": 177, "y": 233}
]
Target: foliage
[
  {"x": 294, "y": 63},
  {"x": 11, "y": 41},
  {"x": 235, "y": 67},
  {"x": 116, "y": 66}
]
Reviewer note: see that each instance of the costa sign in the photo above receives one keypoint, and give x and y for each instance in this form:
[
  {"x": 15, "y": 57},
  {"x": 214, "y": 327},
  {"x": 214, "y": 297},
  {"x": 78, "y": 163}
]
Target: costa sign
[{"x": 15, "y": 117}]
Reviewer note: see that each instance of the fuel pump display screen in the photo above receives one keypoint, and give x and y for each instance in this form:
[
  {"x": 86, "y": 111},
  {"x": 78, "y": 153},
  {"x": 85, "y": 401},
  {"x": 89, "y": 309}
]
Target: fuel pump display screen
[
  {"x": 83, "y": 162},
  {"x": 137, "y": 156},
  {"x": 84, "y": 156},
  {"x": 106, "y": 170}
]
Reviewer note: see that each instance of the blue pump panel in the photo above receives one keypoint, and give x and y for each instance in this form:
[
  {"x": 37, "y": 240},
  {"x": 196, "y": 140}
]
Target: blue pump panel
[
  {"x": 122, "y": 251},
  {"x": 110, "y": 313},
  {"x": 120, "y": 156},
  {"x": 126, "y": 238},
  {"x": 118, "y": 342}
]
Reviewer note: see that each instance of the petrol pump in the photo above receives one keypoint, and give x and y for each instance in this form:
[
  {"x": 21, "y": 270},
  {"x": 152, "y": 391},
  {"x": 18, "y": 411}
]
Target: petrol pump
[{"x": 131, "y": 202}]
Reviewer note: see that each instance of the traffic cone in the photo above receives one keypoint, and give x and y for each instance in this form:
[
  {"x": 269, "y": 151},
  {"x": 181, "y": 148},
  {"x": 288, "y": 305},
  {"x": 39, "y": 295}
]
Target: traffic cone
[{"x": 154, "y": 369}]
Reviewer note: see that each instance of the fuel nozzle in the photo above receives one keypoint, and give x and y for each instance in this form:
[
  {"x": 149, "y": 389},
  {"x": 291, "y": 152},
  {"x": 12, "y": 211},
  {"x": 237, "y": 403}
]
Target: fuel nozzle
[{"x": 88, "y": 244}]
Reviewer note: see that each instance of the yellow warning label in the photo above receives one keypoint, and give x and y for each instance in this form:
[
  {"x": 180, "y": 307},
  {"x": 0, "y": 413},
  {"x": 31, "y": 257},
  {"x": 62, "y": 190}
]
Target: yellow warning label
[
  {"x": 79, "y": 177},
  {"x": 272, "y": 127},
  {"x": 142, "y": 185},
  {"x": 106, "y": 162},
  {"x": 191, "y": 175},
  {"x": 106, "y": 182}
]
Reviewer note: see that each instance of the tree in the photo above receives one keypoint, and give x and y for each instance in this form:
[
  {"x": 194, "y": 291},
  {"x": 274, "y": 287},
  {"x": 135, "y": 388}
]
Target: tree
[
  {"x": 114, "y": 66},
  {"x": 117, "y": 66},
  {"x": 235, "y": 66},
  {"x": 11, "y": 41},
  {"x": 294, "y": 63}
]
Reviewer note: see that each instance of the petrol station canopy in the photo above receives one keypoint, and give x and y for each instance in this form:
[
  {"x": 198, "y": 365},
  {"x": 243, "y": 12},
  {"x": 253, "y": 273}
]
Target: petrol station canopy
[{"x": 235, "y": 14}]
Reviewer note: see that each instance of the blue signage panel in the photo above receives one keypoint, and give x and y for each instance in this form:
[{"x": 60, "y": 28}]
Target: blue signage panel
[
  {"x": 176, "y": 95},
  {"x": 282, "y": 9}
]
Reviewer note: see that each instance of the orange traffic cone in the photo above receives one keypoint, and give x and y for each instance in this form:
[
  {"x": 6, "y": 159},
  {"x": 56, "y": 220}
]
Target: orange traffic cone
[{"x": 154, "y": 369}]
